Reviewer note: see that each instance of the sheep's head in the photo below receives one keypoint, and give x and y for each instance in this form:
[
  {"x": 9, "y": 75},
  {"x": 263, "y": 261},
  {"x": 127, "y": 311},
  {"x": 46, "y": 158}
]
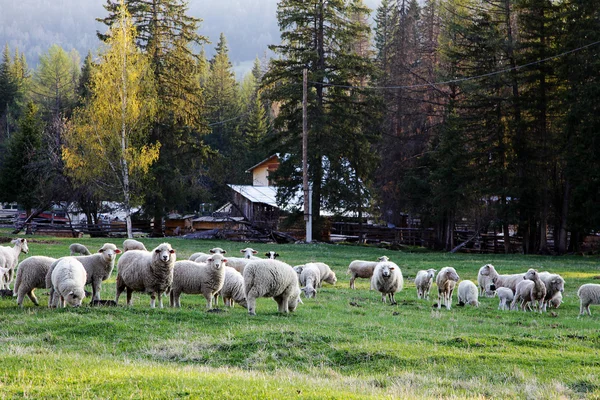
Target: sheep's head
[
  {"x": 452, "y": 275},
  {"x": 165, "y": 253},
  {"x": 309, "y": 292},
  {"x": 383, "y": 259},
  {"x": 248, "y": 252},
  {"x": 386, "y": 269},
  {"x": 331, "y": 278},
  {"x": 216, "y": 261},
  {"x": 299, "y": 269},
  {"x": 109, "y": 251},
  {"x": 531, "y": 274},
  {"x": 271, "y": 255},
  {"x": 217, "y": 250},
  {"x": 21, "y": 243},
  {"x": 557, "y": 284},
  {"x": 431, "y": 273},
  {"x": 75, "y": 297},
  {"x": 486, "y": 270}
]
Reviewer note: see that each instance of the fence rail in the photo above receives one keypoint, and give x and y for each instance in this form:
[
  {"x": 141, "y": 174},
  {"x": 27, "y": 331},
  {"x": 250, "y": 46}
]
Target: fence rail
[{"x": 113, "y": 228}]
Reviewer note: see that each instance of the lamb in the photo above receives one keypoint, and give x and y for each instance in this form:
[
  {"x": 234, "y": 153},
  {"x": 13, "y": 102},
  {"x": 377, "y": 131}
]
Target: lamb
[
  {"x": 530, "y": 290},
  {"x": 31, "y": 275},
  {"x": 132, "y": 244},
  {"x": 149, "y": 272},
  {"x": 193, "y": 278},
  {"x": 78, "y": 248},
  {"x": 387, "y": 279},
  {"x": 509, "y": 281},
  {"x": 271, "y": 278},
  {"x": 233, "y": 288},
  {"x": 68, "y": 280},
  {"x": 555, "y": 284},
  {"x": 309, "y": 276},
  {"x": 556, "y": 301},
  {"x": 9, "y": 258},
  {"x": 484, "y": 280},
  {"x": 98, "y": 268},
  {"x": 249, "y": 252},
  {"x": 506, "y": 297},
  {"x": 271, "y": 255},
  {"x": 468, "y": 294},
  {"x": 446, "y": 282},
  {"x": 423, "y": 282},
  {"x": 363, "y": 269},
  {"x": 588, "y": 294}
]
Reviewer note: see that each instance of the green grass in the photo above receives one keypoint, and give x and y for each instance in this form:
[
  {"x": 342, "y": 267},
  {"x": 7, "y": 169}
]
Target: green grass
[{"x": 343, "y": 344}]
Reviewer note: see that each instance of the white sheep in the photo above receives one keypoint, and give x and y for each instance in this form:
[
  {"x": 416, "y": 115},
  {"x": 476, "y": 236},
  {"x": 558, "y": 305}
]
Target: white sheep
[
  {"x": 68, "y": 280},
  {"x": 529, "y": 290},
  {"x": 202, "y": 257},
  {"x": 272, "y": 255},
  {"x": 31, "y": 275},
  {"x": 446, "y": 282},
  {"x": 506, "y": 296},
  {"x": 555, "y": 285},
  {"x": 98, "y": 267},
  {"x": 149, "y": 272},
  {"x": 271, "y": 278},
  {"x": 387, "y": 279},
  {"x": 556, "y": 301},
  {"x": 327, "y": 275},
  {"x": 233, "y": 290},
  {"x": 484, "y": 280},
  {"x": 423, "y": 282},
  {"x": 249, "y": 253},
  {"x": 9, "y": 258},
  {"x": 190, "y": 277},
  {"x": 132, "y": 244},
  {"x": 509, "y": 281},
  {"x": 78, "y": 248},
  {"x": 196, "y": 255},
  {"x": 588, "y": 293},
  {"x": 363, "y": 269},
  {"x": 468, "y": 294},
  {"x": 238, "y": 263},
  {"x": 309, "y": 276}
]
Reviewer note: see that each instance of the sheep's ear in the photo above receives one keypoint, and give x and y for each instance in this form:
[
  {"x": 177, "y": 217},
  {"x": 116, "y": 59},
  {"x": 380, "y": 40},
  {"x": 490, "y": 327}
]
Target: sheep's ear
[
  {"x": 243, "y": 251},
  {"x": 23, "y": 240},
  {"x": 212, "y": 251},
  {"x": 224, "y": 260},
  {"x": 254, "y": 252},
  {"x": 101, "y": 251},
  {"x": 267, "y": 254},
  {"x": 172, "y": 251},
  {"x": 157, "y": 251},
  {"x": 118, "y": 251},
  {"x": 224, "y": 252},
  {"x": 276, "y": 255}
]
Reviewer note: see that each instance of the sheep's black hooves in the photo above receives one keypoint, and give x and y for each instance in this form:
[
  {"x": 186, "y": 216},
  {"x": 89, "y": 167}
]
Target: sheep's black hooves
[{"x": 216, "y": 310}]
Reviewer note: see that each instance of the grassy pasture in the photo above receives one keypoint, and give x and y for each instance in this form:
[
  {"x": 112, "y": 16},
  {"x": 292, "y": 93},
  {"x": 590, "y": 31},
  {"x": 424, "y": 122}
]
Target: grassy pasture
[{"x": 344, "y": 344}]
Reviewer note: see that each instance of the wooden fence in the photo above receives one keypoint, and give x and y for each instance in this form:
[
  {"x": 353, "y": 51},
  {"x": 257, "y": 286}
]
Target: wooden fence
[{"x": 108, "y": 229}]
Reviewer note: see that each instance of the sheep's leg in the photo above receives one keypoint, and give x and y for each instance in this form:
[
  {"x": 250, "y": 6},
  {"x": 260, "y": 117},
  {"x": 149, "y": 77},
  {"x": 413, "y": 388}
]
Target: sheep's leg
[
  {"x": 153, "y": 300},
  {"x": 31, "y": 295},
  {"x": 50, "y": 298},
  {"x": 251, "y": 300},
  {"x": 160, "y": 302},
  {"x": 129, "y": 300},
  {"x": 96, "y": 289},
  {"x": 120, "y": 288},
  {"x": 20, "y": 297},
  {"x": 439, "y": 306},
  {"x": 352, "y": 282},
  {"x": 383, "y": 297},
  {"x": 393, "y": 299},
  {"x": 209, "y": 298}
]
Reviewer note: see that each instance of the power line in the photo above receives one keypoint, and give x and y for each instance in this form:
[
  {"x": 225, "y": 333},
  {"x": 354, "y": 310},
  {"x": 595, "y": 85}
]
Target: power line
[{"x": 470, "y": 78}]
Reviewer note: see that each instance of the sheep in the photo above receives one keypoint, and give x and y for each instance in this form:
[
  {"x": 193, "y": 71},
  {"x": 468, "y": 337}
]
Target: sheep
[
  {"x": 446, "y": 281},
  {"x": 554, "y": 284},
  {"x": 271, "y": 255},
  {"x": 9, "y": 258},
  {"x": 484, "y": 280},
  {"x": 556, "y": 301},
  {"x": 530, "y": 290},
  {"x": 193, "y": 278},
  {"x": 196, "y": 255},
  {"x": 468, "y": 294},
  {"x": 249, "y": 252},
  {"x": 238, "y": 263},
  {"x": 362, "y": 269},
  {"x": 309, "y": 276},
  {"x": 98, "y": 267},
  {"x": 233, "y": 288},
  {"x": 506, "y": 297},
  {"x": 327, "y": 275},
  {"x": 271, "y": 278},
  {"x": 132, "y": 244},
  {"x": 31, "y": 275},
  {"x": 423, "y": 282},
  {"x": 202, "y": 257},
  {"x": 387, "y": 279},
  {"x": 588, "y": 293},
  {"x": 78, "y": 248},
  {"x": 509, "y": 281},
  {"x": 149, "y": 272},
  {"x": 68, "y": 280}
]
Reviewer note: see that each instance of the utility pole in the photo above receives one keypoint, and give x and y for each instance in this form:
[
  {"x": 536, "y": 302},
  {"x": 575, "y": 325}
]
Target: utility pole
[{"x": 307, "y": 205}]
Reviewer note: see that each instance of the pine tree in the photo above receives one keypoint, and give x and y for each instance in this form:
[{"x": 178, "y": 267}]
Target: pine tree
[{"x": 8, "y": 92}]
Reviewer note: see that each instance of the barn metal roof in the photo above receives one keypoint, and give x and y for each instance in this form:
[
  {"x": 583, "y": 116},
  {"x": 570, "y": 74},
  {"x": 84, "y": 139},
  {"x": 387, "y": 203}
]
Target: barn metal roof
[{"x": 257, "y": 194}]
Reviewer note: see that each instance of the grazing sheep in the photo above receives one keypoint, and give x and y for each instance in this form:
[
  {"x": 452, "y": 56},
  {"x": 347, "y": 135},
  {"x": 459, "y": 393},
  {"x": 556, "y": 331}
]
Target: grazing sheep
[
  {"x": 554, "y": 284},
  {"x": 387, "y": 279},
  {"x": 468, "y": 294},
  {"x": 249, "y": 253},
  {"x": 233, "y": 290},
  {"x": 588, "y": 294},
  {"x": 190, "y": 277},
  {"x": 363, "y": 269},
  {"x": 149, "y": 272},
  {"x": 132, "y": 244},
  {"x": 423, "y": 282},
  {"x": 78, "y": 248},
  {"x": 327, "y": 275},
  {"x": 68, "y": 280},
  {"x": 309, "y": 276},
  {"x": 484, "y": 280},
  {"x": 446, "y": 282},
  {"x": 509, "y": 281},
  {"x": 31, "y": 275},
  {"x": 98, "y": 267},
  {"x": 271, "y": 255},
  {"x": 271, "y": 278},
  {"x": 506, "y": 297},
  {"x": 530, "y": 290},
  {"x": 9, "y": 258},
  {"x": 556, "y": 301}
]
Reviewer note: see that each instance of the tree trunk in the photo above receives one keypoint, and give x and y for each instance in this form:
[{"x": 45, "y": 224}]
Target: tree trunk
[{"x": 562, "y": 237}]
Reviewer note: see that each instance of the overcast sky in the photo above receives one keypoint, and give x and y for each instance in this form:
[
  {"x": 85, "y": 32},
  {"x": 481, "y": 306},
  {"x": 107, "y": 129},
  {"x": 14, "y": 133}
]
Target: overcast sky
[{"x": 33, "y": 25}]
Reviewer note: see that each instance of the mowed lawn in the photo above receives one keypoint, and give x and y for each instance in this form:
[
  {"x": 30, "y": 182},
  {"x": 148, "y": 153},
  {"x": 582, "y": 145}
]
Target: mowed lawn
[{"x": 343, "y": 344}]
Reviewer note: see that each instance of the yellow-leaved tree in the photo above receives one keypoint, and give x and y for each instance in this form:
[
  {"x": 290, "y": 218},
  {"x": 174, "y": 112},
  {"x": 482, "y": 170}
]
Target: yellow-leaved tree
[{"x": 107, "y": 144}]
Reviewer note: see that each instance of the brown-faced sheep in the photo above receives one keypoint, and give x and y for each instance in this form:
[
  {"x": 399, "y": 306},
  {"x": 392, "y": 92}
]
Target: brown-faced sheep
[{"x": 446, "y": 282}]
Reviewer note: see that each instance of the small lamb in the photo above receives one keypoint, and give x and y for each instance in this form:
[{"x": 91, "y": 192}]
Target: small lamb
[
  {"x": 423, "y": 282},
  {"x": 149, "y": 272},
  {"x": 363, "y": 269},
  {"x": 530, "y": 290},
  {"x": 233, "y": 290},
  {"x": 271, "y": 278},
  {"x": 506, "y": 297},
  {"x": 9, "y": 258},
  {"x": 309, "y": 276},
  {"x": 132, "y": 244},
  {"x": 468, "y": 294},
  {"x": 484, "y": 280},
  {"x": 193, "y": 278},
  {"x": 555, "y": 285},
  {"x": 79, "y": 249},
  {"x": 68, "y": 280},
  {"x": 588, "y": 293},
  {"x": 446, "y": 282},
  {"x": 387, "y": 279},
  {"x": 31, "y": 275}
]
